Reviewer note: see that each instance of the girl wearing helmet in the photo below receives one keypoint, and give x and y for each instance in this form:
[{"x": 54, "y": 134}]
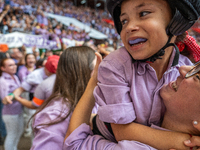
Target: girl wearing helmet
[{"x": 130, "y": 78}]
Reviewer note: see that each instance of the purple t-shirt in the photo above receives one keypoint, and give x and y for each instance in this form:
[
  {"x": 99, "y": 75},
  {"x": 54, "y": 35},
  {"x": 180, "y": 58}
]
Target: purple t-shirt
[
  {"x": 129, "y": 91},
  {"x": 8, "y": 85}
]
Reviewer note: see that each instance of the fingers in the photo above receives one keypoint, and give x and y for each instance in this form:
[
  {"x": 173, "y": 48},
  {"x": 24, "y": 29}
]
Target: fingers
[
  {"x": 7, "y": 100},
  {"x": 99, "y": 59},
  {"x": 194, "y": 140}
]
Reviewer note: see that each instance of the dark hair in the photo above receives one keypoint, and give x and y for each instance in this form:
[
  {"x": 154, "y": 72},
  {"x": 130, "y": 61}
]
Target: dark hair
[
  {"x": 2, "y": 63},
  {"x": 72, "y": 76},
  {"x": 40, "y": 62},
  {"x": 2, "y": 55},
  {"x": 26, "y": 56}
]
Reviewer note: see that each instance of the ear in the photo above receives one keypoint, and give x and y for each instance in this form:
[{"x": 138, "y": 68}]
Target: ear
[{"x": 2, "y": 68}]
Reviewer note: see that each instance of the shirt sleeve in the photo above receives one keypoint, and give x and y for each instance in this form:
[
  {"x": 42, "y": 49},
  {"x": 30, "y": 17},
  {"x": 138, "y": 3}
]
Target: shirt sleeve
[
  {"x": 113, "y": 92},
  {"x": 82, "y": 139},
  {"x": 34, "y": 78}
]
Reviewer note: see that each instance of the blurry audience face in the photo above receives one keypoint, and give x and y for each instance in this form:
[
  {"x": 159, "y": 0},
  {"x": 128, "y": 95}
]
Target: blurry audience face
[
  {"x": 9, "y": 66},
  {"x": 48, "y": 53},
  {"x": 30, "y": 60},
  {"x": 16, "y": 53}
]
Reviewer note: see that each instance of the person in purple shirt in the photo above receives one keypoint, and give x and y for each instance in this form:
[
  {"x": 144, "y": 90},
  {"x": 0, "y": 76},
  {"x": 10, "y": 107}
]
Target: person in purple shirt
[
  {"x": 29, "y": 66},
  {"x": 12, "y": 113},
  {"x": 30, "y": 61},
  {"x": 181, "y": 98},
  {"x": 50, "y": 122},
  {"x": 130, "y": 78}
]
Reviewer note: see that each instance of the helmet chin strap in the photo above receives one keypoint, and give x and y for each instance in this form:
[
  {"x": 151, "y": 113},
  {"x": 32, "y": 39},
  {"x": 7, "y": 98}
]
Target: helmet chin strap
[{"x": 161, "y": 52}]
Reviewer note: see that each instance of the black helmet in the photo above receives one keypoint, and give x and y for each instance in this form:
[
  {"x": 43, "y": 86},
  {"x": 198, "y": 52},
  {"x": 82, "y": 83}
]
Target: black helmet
[{"x": 185, "y": 13}]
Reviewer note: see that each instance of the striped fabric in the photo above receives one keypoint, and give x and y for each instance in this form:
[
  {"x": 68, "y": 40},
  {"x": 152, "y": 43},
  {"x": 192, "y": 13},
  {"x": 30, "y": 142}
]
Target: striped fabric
[{"x": 192, "y": 46}]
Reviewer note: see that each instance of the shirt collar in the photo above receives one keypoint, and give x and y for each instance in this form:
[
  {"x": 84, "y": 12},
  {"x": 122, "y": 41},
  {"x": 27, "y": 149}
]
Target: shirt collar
[{"x": 142, "y": 66}]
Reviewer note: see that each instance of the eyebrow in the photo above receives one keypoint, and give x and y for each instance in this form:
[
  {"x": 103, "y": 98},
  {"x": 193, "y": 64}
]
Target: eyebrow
[{"x": 139, "y": 6}]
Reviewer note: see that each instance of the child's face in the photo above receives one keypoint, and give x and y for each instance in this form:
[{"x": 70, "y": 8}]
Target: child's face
[{"x": 144, "y": 25}]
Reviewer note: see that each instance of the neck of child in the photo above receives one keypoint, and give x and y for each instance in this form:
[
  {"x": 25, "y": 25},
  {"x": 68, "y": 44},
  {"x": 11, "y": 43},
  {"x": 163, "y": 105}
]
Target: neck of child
[
  {"x": 180, "y": 124},
  {"x": 161, "y": 65}
]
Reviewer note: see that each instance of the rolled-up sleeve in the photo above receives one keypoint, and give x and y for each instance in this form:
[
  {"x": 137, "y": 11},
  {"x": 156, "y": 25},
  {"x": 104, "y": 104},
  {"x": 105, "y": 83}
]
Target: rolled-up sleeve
[
  {"x": 83, "y": 139},
  {"x": 113, "y": 92}
]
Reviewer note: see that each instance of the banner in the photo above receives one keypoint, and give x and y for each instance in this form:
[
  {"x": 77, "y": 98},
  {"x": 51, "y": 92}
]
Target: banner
[{"x": 17, "y": 39}]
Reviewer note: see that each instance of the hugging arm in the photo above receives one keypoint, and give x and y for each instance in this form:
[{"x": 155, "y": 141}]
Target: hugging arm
[{"x": 158, "y": 139}]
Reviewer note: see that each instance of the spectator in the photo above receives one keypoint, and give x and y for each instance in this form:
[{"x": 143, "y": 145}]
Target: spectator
[{"x": 12, "y": 110}]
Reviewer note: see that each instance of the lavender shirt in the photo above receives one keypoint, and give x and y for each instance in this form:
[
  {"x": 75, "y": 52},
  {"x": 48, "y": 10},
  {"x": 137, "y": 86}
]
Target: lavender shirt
[
  {"x": 22, "y": 73},
  {"x": 44, "y": 89},
  {"x": 8, "y": 85},
  {"x": 50, "y": 137},
  {"x": 33, "y": 79},
  {"x": 129, "y": 91}
]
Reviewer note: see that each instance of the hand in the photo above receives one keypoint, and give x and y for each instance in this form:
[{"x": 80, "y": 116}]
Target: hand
[
  {"x": 194, "y": 140},
  {"x": 95, "y": 71},
  {"x": 34, "y": 49},
  {"x": 7, "y": 100}
]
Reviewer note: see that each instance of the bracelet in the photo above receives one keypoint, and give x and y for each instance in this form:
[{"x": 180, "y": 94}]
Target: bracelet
[
  {"x": 190, "y": 136},
  {"x": 12, "y": 95}
]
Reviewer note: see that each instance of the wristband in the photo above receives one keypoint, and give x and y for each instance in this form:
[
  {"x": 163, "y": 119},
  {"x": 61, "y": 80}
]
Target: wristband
[{"x": 12, "y": 95}]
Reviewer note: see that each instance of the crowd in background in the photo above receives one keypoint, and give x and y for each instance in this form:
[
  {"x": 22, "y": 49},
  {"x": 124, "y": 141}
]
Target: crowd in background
[{"x": 28, "y": 16}]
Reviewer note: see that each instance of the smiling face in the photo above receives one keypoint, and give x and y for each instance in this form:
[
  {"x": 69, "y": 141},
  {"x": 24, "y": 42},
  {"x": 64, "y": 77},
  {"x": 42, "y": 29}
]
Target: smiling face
[
  {"x": 9, "y": 66},
  {"x": 144, "y": 24},
  {"x": 30, "y": 60},
  {"x": 182, "y": 97}
]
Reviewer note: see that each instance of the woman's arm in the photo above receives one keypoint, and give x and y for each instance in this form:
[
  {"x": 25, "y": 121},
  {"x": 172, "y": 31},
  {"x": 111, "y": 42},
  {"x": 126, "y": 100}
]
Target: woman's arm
[
  {"x": 25, "y": 102},
  {"x": 158, "y": 139}
]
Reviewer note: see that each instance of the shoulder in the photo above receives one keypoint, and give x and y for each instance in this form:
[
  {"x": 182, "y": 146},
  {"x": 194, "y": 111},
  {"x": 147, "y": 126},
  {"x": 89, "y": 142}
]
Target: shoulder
[
  {"x": 2, "y": 81},
  {"x": 183, "y": 60},
  {"x": 50, "y": 113},
  {"x": 49, "y": 81},
  {"x": 36, "y": 72}
]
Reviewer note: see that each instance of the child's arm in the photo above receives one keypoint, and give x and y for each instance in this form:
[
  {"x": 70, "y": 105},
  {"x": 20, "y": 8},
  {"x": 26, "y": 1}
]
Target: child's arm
[{"x": 158, "y": 139}]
